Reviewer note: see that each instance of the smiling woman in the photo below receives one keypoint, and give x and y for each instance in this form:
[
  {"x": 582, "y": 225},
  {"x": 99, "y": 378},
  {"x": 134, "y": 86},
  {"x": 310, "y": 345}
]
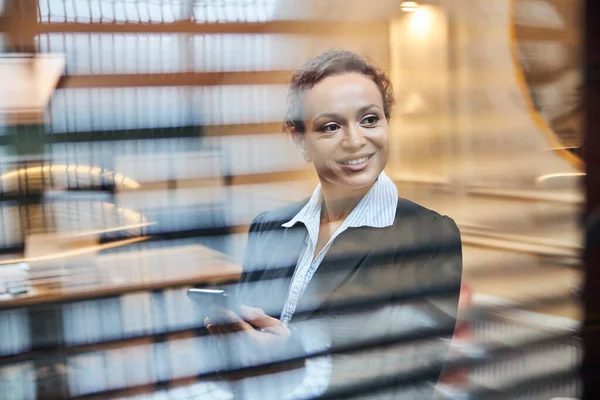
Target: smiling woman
[
  {"x": 353, "y": 242},
  {"x": 338, "y": 118},
  {"x": 348, "y": 145}
]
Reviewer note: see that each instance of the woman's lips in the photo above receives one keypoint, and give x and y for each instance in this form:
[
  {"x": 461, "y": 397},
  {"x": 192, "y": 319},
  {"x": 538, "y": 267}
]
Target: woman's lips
[{"x": 357, "y": 167}]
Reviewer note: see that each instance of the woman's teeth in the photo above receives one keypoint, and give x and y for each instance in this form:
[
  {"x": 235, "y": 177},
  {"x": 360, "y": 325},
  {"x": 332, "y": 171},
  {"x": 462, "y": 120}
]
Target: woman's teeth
[{"x": 357, "y": 161}]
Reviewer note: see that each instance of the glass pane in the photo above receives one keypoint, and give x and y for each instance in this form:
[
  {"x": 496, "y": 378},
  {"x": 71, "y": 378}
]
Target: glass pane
[
  {"x": 89, "y": 54},
  {"x": 101, "y": 109}
]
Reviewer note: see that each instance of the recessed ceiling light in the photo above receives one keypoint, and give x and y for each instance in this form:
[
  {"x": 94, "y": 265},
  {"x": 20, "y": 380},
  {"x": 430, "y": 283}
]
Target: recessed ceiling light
[{"x": 409, "y": 6}]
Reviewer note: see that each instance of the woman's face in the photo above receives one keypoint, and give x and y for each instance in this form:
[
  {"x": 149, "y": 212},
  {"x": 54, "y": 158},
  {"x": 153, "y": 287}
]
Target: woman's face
[{"x": 347, "y": 134}]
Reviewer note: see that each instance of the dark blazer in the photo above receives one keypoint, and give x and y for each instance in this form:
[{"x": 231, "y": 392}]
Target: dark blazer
[{"x": 374, "y": 284}]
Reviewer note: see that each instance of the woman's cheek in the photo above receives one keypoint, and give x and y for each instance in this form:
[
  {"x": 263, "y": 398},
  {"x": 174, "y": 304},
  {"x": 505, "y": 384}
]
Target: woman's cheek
[{"x": 327, "y": 169}]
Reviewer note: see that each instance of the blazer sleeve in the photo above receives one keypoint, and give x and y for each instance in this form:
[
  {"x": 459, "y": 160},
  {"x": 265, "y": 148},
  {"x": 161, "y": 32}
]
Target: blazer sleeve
[
  {"x": 440, "y": 266},
  {"x": 254, "y": 271},
  {"x": 250, "y": 266}
]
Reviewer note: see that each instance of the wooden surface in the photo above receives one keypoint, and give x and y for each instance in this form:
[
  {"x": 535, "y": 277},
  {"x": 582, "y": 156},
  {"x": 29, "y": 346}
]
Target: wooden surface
[
  {"x": 27, "y": 85},
  {"x": 113, "y": 274}
]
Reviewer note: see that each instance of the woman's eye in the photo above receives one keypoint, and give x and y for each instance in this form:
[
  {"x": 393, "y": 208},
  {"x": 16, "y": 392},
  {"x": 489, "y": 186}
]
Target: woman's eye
[
  {"x": 329, "y": 128},
  {"x": 370, "y": 120}
]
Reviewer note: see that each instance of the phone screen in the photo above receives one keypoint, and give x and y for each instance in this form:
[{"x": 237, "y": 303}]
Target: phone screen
[{"x": 213, "y": 303}]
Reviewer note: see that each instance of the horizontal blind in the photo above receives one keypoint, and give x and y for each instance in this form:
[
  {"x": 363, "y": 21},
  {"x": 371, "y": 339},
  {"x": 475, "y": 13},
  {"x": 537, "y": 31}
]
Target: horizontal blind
[{"x": 162, "y": 144}]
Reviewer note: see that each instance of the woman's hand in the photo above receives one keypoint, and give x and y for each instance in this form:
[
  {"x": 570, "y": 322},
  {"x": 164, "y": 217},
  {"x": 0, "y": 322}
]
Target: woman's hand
[{"x": 256, "y": 336}]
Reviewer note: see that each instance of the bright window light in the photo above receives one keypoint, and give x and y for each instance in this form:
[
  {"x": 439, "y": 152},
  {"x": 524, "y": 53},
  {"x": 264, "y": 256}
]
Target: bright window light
[{"x": 421, "y": 22}]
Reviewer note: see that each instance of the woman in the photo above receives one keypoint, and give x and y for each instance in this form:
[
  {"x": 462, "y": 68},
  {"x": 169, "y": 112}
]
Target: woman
[{"x": 354, "y": 242}]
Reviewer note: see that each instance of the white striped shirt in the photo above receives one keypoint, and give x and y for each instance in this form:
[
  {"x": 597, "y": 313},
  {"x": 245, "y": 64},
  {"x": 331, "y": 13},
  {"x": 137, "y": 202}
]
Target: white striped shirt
[{"x": 376, "y": 209}]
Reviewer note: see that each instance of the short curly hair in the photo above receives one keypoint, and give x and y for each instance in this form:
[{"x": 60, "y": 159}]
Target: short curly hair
[{"x": 334, "y": 62}]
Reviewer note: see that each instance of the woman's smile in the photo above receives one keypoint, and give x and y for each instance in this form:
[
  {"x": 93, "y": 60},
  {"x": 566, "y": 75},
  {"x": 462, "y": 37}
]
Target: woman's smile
[{"x": 356, "y": 163}]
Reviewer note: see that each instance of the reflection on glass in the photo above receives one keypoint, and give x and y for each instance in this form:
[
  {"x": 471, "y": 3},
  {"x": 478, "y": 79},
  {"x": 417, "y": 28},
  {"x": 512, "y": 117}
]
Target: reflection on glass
[
  {"x": 111, "y": 10},
  {"x": 547, "y": 34},
  {"x": 155, "y": 53},
  {"x": 156, "y": 11},
  {"x": 234, "y": 10},
  {"x": 103, "y": 109}
]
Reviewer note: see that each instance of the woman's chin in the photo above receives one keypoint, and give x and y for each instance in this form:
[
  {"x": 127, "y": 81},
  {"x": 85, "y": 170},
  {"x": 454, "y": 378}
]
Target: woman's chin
[
  {"x": 351, "y": 180},
  {"x": 359, "y": 181}
]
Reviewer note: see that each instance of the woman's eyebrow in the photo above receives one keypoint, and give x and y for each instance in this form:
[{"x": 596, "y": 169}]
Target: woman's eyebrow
[
  {"x": 333, "y": 116},
  {"x": 366, "y": 108}
]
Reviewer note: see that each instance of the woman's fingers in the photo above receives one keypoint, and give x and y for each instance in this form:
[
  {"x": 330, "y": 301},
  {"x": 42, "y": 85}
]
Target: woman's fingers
[
  {"x": 251, "y": 313},
  {"x": 271, "y": 332},
  {"x": 258, "y": 319},
  {"x": 235, "y": 323},
  {"x": 231, "y": 323},
  {"x": 213, "y": 329},
  {"x": 226, "y": 322}
]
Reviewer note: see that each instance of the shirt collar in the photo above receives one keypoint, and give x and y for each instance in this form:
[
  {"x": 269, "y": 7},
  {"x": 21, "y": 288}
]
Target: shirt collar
[{"x": 376, "y": 209}]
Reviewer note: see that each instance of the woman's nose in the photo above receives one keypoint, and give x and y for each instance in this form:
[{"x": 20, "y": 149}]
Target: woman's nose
[{"x": 354, "y": 138}]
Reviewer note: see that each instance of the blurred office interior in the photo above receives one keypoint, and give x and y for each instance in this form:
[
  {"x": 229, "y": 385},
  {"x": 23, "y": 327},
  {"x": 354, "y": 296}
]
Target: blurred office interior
[{"x": 139, "y": 138}]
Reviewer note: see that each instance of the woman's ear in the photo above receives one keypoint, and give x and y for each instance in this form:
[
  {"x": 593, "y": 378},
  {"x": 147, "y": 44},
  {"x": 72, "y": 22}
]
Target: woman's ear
[{"x": 300, "y": 143}]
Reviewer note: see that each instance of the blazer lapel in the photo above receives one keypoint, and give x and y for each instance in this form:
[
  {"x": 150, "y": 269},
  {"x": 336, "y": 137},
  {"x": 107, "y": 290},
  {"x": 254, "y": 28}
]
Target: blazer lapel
[
  {"x": 347, "y": 255},
  {"x": 287, "y": 252},
  {"x": 285, "y": 246}
]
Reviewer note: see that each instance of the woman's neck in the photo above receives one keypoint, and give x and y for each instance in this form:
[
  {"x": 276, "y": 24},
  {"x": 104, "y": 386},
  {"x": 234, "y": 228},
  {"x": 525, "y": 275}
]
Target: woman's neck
[{"x": 339, "y": 202}]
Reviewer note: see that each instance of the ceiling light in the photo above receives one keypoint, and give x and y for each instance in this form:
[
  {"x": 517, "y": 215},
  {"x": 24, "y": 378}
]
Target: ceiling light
[{"x": 409, "y": 6}]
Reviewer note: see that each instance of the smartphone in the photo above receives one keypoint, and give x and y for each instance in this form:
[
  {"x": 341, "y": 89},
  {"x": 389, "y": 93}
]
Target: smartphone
[{"x": 213, "y": 303}]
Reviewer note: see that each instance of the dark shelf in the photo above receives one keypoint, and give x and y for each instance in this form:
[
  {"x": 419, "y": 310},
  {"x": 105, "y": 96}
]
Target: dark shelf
[{"x": 125, "y": 134}]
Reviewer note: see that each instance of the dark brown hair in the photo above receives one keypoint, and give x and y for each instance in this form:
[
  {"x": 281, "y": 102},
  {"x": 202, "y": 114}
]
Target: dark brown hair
[{"x": 335, "y": 62}]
